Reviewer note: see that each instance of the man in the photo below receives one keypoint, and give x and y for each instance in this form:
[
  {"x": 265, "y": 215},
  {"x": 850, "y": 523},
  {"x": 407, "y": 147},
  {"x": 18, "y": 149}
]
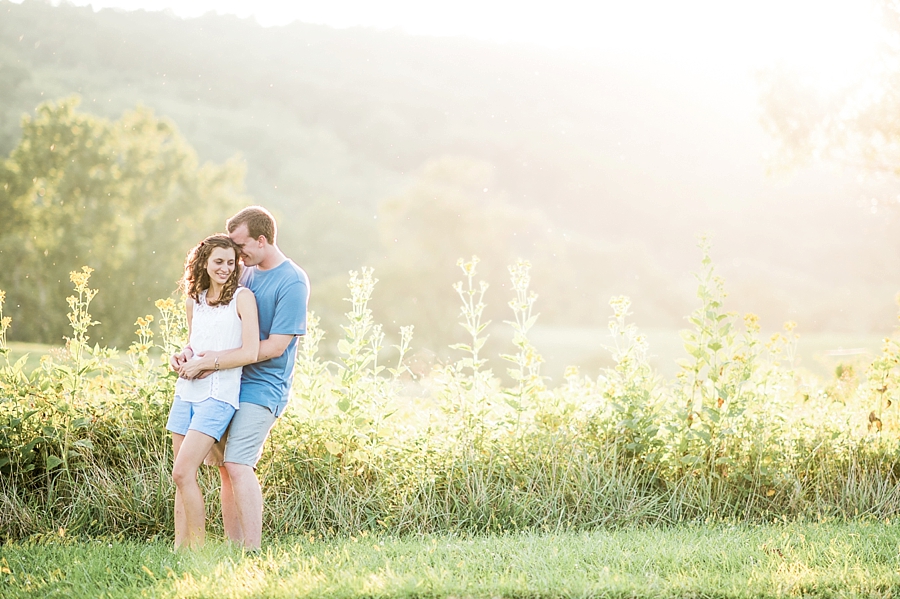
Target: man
[{"x": 282, "y": 292}]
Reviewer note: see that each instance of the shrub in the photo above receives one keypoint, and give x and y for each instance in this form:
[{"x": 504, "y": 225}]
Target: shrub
[{"x": 368, "y": 445}]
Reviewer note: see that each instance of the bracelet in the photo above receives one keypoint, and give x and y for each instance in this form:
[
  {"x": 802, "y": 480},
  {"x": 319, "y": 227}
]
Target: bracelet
[{"x": 217, "y": 364}]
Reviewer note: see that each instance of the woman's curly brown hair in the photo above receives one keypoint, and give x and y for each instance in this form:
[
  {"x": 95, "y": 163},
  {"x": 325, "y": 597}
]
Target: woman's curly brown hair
[{"x": 196, "y": 279}]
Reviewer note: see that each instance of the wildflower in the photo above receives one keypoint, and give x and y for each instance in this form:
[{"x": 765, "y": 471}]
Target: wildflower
[
  {"x": 165, "y": 304},
  {"x": 751, "y": 322},
  {"x": 468, "y": 267},
  {"x": 80, "y": 279},
  {"x": 620, "y": 305},
  {"x": 519, "y": 273}
]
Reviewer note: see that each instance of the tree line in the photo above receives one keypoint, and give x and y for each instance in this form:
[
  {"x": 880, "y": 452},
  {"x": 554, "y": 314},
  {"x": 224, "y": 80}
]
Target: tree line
[{"x": 126, "y": 197}]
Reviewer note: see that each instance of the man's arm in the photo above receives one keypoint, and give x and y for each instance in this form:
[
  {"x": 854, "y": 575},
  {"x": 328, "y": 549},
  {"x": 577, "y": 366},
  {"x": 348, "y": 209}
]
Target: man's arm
[
  {"x": 290, "y": 315},
  {"x": 273, "y": 346},
  {"x": 209, "y": 361},
  {"x": 269, "y": 348}
]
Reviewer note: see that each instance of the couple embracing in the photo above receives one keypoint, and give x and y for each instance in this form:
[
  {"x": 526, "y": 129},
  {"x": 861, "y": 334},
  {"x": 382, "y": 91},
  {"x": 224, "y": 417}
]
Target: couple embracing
[{"x": 246, "y": 306}]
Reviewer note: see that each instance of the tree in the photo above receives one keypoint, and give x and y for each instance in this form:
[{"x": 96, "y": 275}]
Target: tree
[
  {"x": 125, "y": 197},
  {"x": 453, "y": 210},
  {"x": 857, "y": 126}
]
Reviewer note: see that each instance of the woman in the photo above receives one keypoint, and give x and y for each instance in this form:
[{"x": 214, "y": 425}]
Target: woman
[{"x": 224, "y": 335}]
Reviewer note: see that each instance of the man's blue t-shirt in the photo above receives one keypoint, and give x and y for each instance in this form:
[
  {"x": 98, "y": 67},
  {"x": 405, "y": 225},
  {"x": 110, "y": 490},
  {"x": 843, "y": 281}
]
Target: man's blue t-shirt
[{"x": 281, "y": 294}]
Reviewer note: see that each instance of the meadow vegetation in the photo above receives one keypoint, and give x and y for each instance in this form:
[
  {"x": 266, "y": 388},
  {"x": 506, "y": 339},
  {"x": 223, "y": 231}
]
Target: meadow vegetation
[
  {"x": 793, "y": 560},
  {"x": 370, "y": 445}
]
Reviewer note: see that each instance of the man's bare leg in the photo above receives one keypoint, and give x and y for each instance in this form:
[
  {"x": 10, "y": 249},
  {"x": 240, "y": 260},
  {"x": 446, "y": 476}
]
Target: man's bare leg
[
  {"x": 230, "y": 517},
  {"x": 248, "y": 502}
]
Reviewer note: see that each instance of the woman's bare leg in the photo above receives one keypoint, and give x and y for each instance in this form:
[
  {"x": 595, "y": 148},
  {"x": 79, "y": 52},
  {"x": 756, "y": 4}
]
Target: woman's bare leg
[
  {"x": 192, "y": 449},
  {"x": 177, "y": 440}
]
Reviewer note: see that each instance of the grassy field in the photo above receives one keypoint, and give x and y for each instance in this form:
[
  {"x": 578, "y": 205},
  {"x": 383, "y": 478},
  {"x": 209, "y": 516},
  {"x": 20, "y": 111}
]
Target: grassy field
[
  {"x": 458, "y": 484},
  {"x": 776, "y": 560},
  {"x": 585, "y": 347},
  {"x": 34, "y": 351}
]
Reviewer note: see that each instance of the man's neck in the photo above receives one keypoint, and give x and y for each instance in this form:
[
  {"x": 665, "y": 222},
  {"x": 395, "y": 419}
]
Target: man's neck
[{"x": 274, "y": 257}]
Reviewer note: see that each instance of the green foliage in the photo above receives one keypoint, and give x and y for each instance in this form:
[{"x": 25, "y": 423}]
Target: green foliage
[
  {"x": 740, "y": 435},
  {"x": 630, "y": 388},
  {"x": 63, "y": 424},
  {"x": 526, "y": 360},
  {"x": 882, "y": 387},
  {"x": 715, "y": 388},
  {"x": 472, "y": 312},
  {"x": 126, "y": 197}
]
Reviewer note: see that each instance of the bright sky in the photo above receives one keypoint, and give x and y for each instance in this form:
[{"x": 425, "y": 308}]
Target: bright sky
[{"x": 831, "y": 38}]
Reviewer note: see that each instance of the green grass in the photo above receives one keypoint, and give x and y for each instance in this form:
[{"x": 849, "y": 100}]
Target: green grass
[
  {"x": 811, "y": 560},
  {"x": 34, "y": 351}
]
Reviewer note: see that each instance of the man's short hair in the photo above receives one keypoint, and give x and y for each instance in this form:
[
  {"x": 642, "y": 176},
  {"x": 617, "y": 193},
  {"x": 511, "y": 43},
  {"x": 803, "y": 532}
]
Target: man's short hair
[{"x": 259, "y": 221}]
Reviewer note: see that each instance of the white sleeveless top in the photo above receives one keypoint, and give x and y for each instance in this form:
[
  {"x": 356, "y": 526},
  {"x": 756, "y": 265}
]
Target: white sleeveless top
[{"x": 214, "y": 328}]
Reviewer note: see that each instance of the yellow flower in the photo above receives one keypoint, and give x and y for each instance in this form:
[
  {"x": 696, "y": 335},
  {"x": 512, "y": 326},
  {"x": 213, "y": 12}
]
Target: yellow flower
[
  {"x": 620, "y": 305},
  {"x": 80, "y": 279},
  {"x": 165, "y": 304},
  {"x": 751, "y": 322}
]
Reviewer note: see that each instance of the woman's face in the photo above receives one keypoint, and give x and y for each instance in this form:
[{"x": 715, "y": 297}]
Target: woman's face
[{"x": 220, "y": 265}]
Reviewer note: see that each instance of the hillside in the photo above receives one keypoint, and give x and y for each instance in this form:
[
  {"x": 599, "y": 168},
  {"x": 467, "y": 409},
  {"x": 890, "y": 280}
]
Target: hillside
[{"x": 623, "y": 164}]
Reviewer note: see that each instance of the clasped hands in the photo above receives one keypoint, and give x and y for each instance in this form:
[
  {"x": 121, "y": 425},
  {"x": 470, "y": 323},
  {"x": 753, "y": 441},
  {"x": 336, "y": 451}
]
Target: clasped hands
[{"x": 190, "y": 366}]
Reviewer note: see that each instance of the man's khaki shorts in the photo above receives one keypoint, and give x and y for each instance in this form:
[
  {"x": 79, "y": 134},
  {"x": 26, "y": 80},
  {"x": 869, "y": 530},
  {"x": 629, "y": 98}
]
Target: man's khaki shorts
[{"x": 243, "y": 442}]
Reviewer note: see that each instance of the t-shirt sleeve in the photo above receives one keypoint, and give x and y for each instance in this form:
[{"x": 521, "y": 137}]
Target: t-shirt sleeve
[{"x": 290, "y": 309}]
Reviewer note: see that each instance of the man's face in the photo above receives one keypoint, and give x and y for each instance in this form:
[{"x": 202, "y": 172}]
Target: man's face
[{"x": 252, "y": 250}]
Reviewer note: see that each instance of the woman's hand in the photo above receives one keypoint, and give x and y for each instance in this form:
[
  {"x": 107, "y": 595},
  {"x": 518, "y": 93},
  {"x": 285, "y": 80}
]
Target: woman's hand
[
  {"x": 201, "y": 366},
  {"x": 178, "y": 360}
]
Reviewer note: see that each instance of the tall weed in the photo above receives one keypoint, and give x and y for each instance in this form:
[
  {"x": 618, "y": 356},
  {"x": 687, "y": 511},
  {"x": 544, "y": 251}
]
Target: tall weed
[{"x": 740, "y": 434}]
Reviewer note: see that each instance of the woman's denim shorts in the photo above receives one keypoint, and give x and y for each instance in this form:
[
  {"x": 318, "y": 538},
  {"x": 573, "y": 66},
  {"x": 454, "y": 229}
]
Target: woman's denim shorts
[{"x": 210, "y": 417}]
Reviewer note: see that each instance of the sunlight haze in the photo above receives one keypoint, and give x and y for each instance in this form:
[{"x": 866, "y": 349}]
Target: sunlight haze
[
  {"x": 627, "y": 128},
  {"x": 835, "y": 35}
]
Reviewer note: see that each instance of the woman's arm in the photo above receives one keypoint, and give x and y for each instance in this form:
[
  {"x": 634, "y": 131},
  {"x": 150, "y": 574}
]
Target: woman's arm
[{"x": 240, "y": 356}]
